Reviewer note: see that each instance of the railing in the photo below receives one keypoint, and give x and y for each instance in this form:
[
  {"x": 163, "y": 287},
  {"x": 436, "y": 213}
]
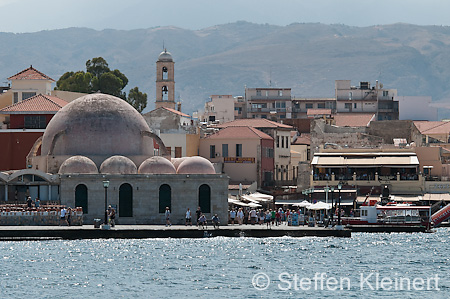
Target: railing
[{"x": 365, "y": 177}]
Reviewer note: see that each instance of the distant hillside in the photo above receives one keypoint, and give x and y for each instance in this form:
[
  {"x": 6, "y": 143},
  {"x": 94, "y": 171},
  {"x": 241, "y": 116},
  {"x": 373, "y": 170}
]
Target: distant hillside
[{"x": 225, "y": 58}]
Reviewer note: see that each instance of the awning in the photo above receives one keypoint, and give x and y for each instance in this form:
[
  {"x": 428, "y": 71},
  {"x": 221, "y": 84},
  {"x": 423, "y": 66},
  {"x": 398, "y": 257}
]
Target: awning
[
  {"x": 437, "y": 196},
  {"x": 398, "y": 198},
  {"x": 361, "y": 161}
]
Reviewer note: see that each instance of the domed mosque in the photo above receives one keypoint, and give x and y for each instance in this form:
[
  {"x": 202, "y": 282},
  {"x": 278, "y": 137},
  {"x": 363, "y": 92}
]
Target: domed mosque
[{"x": 100, "y": 144}]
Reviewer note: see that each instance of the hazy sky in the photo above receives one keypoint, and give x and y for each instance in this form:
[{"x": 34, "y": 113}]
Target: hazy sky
[{"x": 36, "y": 15}]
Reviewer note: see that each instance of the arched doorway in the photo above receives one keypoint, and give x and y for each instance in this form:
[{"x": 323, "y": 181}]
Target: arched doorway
[
  {"x": 165, "y": 198},
  {"x": 81, "y": 197},
  {"x": 125, "y": 200},
  {"x": 204, "y": 198}
]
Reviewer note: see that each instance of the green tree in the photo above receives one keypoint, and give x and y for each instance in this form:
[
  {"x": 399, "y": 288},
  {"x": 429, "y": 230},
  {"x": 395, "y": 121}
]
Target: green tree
[
  {"x": 137, "y": 99},
  {"x": 97, "y": 66},
  {"x": 97, "y": 78}
]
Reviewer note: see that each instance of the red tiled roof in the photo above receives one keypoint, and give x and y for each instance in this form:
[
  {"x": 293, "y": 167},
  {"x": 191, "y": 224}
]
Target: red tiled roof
[
  {"x": 254, "y": 122},
  {"x": 240, "y": 133},
  {"x": 30, "y": 74},
  {"x": 318, "y": 112},
  {"x": 37, "y": 103},
  {"x": 433, "y": 127},
  {"x": 304, "y": 139},
  {"x": 353, "y": 119},
  {"x": 176, "y": 112}
]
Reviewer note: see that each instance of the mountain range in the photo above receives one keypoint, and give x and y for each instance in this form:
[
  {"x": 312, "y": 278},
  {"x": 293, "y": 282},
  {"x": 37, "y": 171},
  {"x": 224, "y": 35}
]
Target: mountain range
[{"x": 223, "y": 59}]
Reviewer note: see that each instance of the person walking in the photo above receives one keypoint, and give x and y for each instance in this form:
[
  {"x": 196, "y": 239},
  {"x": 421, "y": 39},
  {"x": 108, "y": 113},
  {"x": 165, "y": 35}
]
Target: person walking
[
  {"x": 232, "y": 216},
  {"x": 112, "y": 216},
  {"x": 62, "y": 216},
  {"x": 69, "y": 216},
  {"x": 198, "y": 213},
  {"x": 188, "y": 217},
  {"x": 167, "y": 214},
  {"x": 240, "y": 216}
]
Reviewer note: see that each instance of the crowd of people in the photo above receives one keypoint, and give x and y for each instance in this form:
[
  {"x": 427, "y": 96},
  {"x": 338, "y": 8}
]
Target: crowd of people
[{"x": 275, "y": 217}]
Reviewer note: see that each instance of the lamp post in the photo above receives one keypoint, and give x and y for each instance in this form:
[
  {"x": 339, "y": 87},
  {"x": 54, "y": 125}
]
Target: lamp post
[
  {"x": 332, "y": 204},
  {"x": 339, "y": 208},
  {"x": 106, "y": 185}
]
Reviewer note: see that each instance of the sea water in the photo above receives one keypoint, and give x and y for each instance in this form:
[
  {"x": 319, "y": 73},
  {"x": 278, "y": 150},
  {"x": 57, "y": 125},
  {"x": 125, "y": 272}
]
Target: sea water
[{"x": 374, "y": 265}]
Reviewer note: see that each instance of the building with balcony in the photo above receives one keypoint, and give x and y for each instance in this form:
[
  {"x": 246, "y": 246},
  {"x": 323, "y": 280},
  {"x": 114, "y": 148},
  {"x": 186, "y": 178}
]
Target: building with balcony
[
  {"x": 269, "y": 103},
  {"x": 245, "y": 154},
  {"x": 219, "y": 109},
  {"x": 284, "y": 172},
  {"x": 366, "y": 99},
  {"x": 364, "y": 169}
]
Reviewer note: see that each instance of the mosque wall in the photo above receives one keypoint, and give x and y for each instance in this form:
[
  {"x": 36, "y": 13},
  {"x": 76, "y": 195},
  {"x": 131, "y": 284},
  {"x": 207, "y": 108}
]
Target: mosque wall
[{"x": 145, "y": 195}]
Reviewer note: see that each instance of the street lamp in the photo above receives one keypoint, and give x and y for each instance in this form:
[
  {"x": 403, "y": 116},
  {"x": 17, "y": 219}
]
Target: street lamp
[
  {"x": 332, "y": 204},
  {"x": 339, "y": 209},
  {"x": 106, "y": 185}
]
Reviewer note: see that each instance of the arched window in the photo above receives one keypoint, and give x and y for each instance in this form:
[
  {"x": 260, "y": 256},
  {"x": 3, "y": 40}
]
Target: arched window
[
  {"x": 81, "y": 197},
  {"x": 164, "y": 73},
  {"x": 204, "y": 198},
  {"x": 165, "y": 92},
  {"x": 125, "y": 200},
  {"x": 165, "y": 198}
]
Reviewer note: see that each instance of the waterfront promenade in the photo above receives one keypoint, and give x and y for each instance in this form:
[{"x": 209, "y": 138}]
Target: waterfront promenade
[{"x": 161, "y": 231}]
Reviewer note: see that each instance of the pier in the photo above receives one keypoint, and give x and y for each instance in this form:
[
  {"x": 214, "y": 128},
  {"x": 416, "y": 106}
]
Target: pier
[{"x": 23, "y": 233}]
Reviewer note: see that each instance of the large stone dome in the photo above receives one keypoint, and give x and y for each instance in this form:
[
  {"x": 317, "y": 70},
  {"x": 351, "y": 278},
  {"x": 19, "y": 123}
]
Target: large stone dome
[
  {"x": 78, "y": 164},
  {"x": 157, "y": 165},
  {"x": 118, "y": 165},
  {"x": 97, "y": 125},
  {"x": 196, "y": 165}
]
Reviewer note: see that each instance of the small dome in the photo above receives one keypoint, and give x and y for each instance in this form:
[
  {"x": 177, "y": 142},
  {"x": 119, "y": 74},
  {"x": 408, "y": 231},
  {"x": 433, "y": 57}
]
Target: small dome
[
  {"x": 196, "y": 165},
  {"x": 165, "y": 56},
  {"x": 118, "y": 165},
  {"x": 157, "y": 165},
  {"x": 177, "y": 161},
  {"x": 78, "y": 164}
]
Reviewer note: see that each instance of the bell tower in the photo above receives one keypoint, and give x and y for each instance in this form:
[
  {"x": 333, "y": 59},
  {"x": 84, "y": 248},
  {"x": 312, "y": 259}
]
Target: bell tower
[{"x": 165, "y": 82}]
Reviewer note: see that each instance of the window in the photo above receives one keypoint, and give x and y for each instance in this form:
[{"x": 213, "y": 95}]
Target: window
[
  {"x": 238, "y": 150},
  {"x": 204, "y": 198},
  {"x": 164, "y": 73},
  {"x": 164, "y": 92},
  {"x": 169, "y": 150},
  {"x": 287, "y": 141},
  {"x": 350, "y": 95},
  {"x": 165, "y": 198},
  {"x": 212, "y": 151},
  {"x": 81, "y": 197},
  {"x": 355, "y": 105},
  {"x": 321, "y": 105},
  {"x": 264, "y": 116},
  {"x": 35, "y": 122},
  {"x": 125, "y": 200},
  {"x": 26, "y": 95},
  {"x": 348, "y": 106},
  {"x": 269, "y": 152},
  {"x": 282, "y": 141},
  {"x": 309, "y": 105},
  {"x": 280, "y": 93},
  {"x": 280, "y": 105},
  {"x": 178, "y": 152},
  {"x": 16, "y": 97},
  {"x": 278, "y": 141},
  {"x": 258, "y": 92},
  {"x": 224, "y": 150},
  {"x": 385, "y": 93}
]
